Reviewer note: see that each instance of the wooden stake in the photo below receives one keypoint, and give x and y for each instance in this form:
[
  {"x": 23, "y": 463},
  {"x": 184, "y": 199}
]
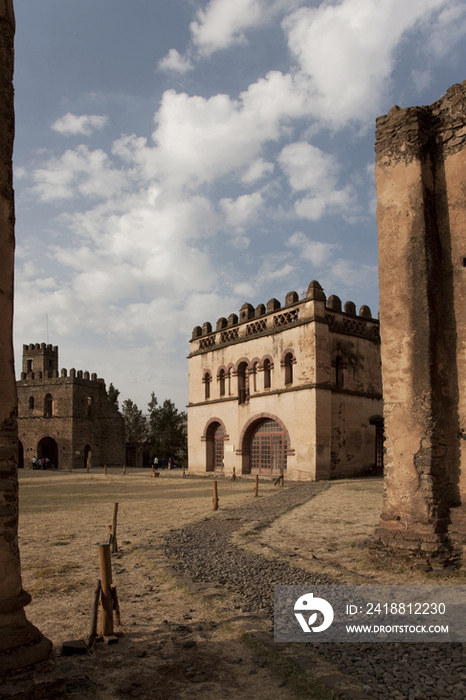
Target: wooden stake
[
  {"x": 124, "y": 469},
  {"x": 215, "y": 496},
  {"x": 113, "y": 540},
  {"x": 153, "y": 471},
  {"x": 106, "y": 600},
  {"x": 94, "y": 613},
  {"x": 184, "y": 472},
  {"x": 233, "y": 478},
  {"x": 105, "y": 468},
  {"x": 116, "y": 604},
  {"x": 282, "y": 478},
  {"x": 256, "y": 490}
]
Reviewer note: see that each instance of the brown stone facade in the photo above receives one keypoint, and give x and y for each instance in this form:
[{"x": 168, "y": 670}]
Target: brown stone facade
[
  {"x": 421, "y": 202},
  {"x": 296, "y": 386},
  {"x": 66, "y": 417}
]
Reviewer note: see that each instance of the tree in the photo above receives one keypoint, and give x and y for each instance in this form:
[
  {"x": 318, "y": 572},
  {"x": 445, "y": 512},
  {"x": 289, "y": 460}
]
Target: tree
[
  {"x": 167, "y": 431},
  {"x": 113, "y": 395},
  {"x": 135, "y": 423}
]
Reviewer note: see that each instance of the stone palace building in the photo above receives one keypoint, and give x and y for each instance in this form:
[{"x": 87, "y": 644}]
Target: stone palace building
[
  {"x": 66, "y": 417},
  {"x": 296, "y": 388}
]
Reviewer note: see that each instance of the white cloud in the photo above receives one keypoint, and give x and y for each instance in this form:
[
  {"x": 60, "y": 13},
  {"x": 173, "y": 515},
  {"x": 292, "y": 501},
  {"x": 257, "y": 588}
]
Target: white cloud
[
  {"x": 173, "y": 61},
  {"x": 348, "y": 51},
  {"x": 349, "y": 274},
  {"x": 242, "y": 211},
  {"x": 317, "y": 252},
  {"x": 421, "y": 79},
  {"x": 224, "y": 22},
  {"x": 86, "y": 124},
  {"x": 257, "y": 170},
  {"x": 448, "y": 28},
  {"x": 78, "y": 172},
  {"x": 309, "y": 168}
]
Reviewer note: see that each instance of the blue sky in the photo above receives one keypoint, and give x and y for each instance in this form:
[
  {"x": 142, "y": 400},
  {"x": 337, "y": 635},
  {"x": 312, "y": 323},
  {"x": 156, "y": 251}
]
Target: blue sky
[{"x": 176, "y": 158}]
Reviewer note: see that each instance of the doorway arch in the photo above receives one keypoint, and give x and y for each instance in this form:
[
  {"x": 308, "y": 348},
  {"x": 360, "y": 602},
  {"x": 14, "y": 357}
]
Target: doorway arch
[
  {"x": 215, "y": 436},
  {"x": 264, "y": 445},
  {"x": 47, "y": 447},
  {"x": 87, "y": 457}
]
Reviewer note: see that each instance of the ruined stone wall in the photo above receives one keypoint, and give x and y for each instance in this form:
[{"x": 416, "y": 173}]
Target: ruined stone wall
[{"x": 420, "y": 179}]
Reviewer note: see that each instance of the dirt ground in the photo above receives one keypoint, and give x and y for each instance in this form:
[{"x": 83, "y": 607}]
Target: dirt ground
[{"x": 169, "y": 626}]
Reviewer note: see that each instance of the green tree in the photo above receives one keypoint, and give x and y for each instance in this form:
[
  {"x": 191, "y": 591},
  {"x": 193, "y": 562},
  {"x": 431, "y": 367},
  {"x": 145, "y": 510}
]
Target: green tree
[
  {"x": 167, "y": 431},
  {"x": 113, "y": 395},
  {"x": 135, "y": 423}
]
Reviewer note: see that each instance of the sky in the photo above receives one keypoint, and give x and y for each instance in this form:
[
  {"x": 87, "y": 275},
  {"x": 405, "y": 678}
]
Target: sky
[{"x": 177, "y": 158}]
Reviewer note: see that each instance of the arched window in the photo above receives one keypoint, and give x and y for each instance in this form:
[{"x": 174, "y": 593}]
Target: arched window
[
  {"x": 31, "y": 403},
  {"x": 221, "y": 379},
  {"x": 48, "y": 405},
  {"x": 229, "y": 382},
  {"x": 288, "y": 362},
  {"x": 243, "y": 383},
  {"x": 267, "y": 374},
  {"x": 255, "y": 369},
  {"x": 207, "y": 380}
]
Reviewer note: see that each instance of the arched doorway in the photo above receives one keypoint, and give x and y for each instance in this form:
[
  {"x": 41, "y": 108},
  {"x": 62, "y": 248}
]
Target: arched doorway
[
  {"x": 265, "y": 446},
  {"x": 215, "y": 437},
  {"x": 87, "y": 457},
  {"x": 47, "y": 447}
]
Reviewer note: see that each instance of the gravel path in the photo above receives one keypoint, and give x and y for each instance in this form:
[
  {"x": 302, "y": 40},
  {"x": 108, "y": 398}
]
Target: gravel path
[{"x": 399, "y": 671}]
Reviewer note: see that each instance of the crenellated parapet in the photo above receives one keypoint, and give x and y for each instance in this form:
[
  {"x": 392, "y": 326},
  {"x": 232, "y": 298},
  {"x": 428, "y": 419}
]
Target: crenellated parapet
[
  {"x": 272, "y": 317},
  {"x": 40, "y": 362},
  {"x": 74, "y": 374}
]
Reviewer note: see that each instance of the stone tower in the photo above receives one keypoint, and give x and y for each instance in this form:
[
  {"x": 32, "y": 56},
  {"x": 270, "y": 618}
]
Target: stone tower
[
  {"x": 39, "y": 359},
  {"x": 421, "y": 208}
]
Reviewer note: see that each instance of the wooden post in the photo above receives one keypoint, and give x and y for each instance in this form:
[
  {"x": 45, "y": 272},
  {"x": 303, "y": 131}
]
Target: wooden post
[
  {"x": 116, "y": 604},
  {"x": 106, "y": 599},
  {"x": 114, "y": 542},
  {"x": 153, "y": 471},
  {"x": 184, "y": 472},
  {"x": 282, "y": 478},
  {"x": 124, "y": 469},
  {"x": 105, "y": 468},
  {"x": 233, "y": 478},
  {"x": 94, "y": 614},
  {"x": 215, "y": 496},
  {"x": 256, "y": 490}
]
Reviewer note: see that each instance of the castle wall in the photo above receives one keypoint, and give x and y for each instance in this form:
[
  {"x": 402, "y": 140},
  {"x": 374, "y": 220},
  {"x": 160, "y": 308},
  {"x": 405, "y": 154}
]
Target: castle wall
[
  {"x": 420, "y": 175},
  {"x": 80, "y": 418}
]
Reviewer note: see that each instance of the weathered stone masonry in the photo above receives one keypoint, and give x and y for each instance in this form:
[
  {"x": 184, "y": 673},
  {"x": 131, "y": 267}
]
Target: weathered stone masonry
[
  {"x": 66, "y": 417},
  {"x": 421, "y": 196},
  {"x": 296, "y": 387}
]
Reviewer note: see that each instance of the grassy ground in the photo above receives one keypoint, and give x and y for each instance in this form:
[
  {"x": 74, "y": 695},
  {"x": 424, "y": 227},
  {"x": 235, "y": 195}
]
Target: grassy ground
[{"x": 64, "y": 516}]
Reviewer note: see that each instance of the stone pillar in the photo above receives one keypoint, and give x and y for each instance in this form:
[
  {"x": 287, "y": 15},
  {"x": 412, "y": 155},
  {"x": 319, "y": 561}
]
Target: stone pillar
[
  {"x": 21, "y": 644},
  {"x": 421, "y": 207}
]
